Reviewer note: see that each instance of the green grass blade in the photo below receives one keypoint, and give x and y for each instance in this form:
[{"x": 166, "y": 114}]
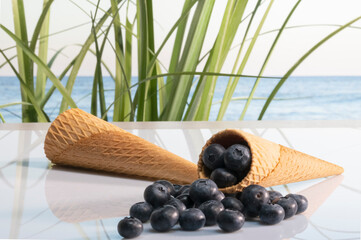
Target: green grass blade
[
  {"x": 99, "y": 70},
  {"x": 142, "y": 57},
  {"x": 180, "y": 25},
  {"x": 25, "y": 65},
  {"x": 161, "y": 89},
  {"x": 53, "y": 87},
  {"x": 177, "y": 46},
  {"x": 43, "y": 66},
  {"x": 10, "y": 58},
  {"x": 40, "y": 114},
  {"x": 42, "y": 26},
  {"x": 79, "y": 60},
  {"x": 230, "y": 22},
  {"x": 180, "y": 74},
  {"x": 43, "y": 50},
  {"x": 197, "y": 95},
  {"x": 231, "y": 86},
  {"x": 182, "y": 84},
  {"x": 266, "y": 60},
  {"x": 127, "y": 103},
  {"x": 14, "y": 104},
  {"x": 119, "y": 52},
  {"x": 290, "y": 71},
  {"x": 2, "y": 118},
  {"x": 219, "y": 74},
  {"x": 233, "y": 82},
  {"x": 94, "y": 100},
  {"x": 104, "y": 64},
  {"x": 55, "y": 56},
  {"x": 151, "y": 113}
]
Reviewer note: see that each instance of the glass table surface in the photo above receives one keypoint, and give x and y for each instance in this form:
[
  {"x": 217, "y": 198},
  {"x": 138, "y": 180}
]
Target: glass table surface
[{"x": 44, "y": 201}]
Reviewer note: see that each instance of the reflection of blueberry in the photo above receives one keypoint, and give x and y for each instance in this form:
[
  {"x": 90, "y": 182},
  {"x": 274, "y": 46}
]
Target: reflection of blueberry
[
  {"x": 253, "y": 197},
  {"x": 141, "y": 210},
  {"x": 178, "y": 204},
  {"x": 168, "y": 185},
  {"x": 186, "y": 200},
  {"x": 230, "y": 220},
  {"x": 273, "y": 195},
  {"x": 156, "y": 194},
  {"x": 271, "y": 214},
  {"x": 302, "y": 202},
  {"x": 130, "y": 227},
  {"x": 213, "y": 156},
  {"x": 211, "y": 209},
  {"x": 202, "y": 190},
  {"x": 237, "y": 157},
  {"x": 288, "y": 204},
  {"x": 164, "y": 218},
  {"x": 232, "y": 203},
  {"x": 223, "y": 177},
  {"x": 192, "y": 219}
]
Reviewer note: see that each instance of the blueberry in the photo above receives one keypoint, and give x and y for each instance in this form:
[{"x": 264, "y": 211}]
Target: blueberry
[
  {"x": 230, "y": 220},
  {"x": 242, "y": 174},
  {"x": 230, "y": 195},
  {"x": 288, "y": 204},
  {"x": 271, "y": 214},
  {"x": 213, "y": 156},
  {"x": 130, "y": 227},
  {"x": 237, "y": 157},
  {"x": 168, "y": 185},
  {"x": 141, "y": 210},
  {"x": 211, "y": 209},
  {"x": 219, "y": 196},
  {"x": 202, "y": 190},
  {"x": 186, "y": 200},
  {"x": 178, "y": 204},
  {"x": 233, "y": 203},
  {"x": 177, "y": 187},
  {"x": 183, "y": 189},
  {"x": 239, "y": 195},
  {"x": 223, "y": 177},
  {"x": 302, "y": 202},
  {"x": 164, "y": 218},
  {"x": 253, "y": 197},
  {"x": 156, "y": 194},
  {"x": 192, "y": 219},
  {"x": 274, "y": 195}
]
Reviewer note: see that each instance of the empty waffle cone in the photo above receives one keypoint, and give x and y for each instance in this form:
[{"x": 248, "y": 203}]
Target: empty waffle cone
[
  {"x": 272, "y": 164},
  {"x": 79, "y": 139}
]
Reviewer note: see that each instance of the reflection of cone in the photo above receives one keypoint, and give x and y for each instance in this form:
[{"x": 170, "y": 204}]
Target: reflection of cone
[
  {"x": 272, "y": 164},
  {"x": 318, "y": 193},
  {"x": 79, "y": 139},
  {"x": 75, "y": 195}
]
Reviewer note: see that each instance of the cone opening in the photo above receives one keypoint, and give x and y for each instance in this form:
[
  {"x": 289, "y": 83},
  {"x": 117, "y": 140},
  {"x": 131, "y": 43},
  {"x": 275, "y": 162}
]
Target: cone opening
[{"x": 225, "y": 138}]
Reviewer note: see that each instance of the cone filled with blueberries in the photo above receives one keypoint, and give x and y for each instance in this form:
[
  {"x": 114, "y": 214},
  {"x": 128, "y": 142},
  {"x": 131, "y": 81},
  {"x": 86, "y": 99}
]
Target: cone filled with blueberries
[
  {"x": 235, "y": 159},
  {"x": 203, "y": 204}
]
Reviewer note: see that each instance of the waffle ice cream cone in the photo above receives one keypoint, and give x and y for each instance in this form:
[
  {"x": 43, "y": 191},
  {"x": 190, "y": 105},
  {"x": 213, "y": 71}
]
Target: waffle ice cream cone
[
  {"x": 79, "y": 139},
  {"x": 272, "y": 164}
]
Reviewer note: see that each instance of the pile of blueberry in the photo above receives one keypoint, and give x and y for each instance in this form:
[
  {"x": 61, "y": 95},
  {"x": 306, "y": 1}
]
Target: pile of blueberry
[
  {"x": 202, "y": 204},
  {"x": 227, "y": 166}
]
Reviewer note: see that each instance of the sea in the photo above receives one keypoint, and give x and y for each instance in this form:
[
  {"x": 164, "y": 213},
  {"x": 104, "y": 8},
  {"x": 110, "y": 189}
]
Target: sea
[{"x": 300, "y": 98}]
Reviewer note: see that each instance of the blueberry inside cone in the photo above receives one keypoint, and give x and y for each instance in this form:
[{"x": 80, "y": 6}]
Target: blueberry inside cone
[
  {"x": 237, "y": 157},
  {"x": 226, "y": 167},
  {"x": 213, "y": 156}
]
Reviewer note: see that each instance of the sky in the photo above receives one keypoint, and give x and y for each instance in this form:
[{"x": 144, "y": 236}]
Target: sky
[{"x": 339, "y": 56}]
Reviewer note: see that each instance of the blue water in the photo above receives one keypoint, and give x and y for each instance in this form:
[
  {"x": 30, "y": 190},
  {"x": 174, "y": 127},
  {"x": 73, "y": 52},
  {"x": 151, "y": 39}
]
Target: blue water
[{"x": 300, "y": 98}]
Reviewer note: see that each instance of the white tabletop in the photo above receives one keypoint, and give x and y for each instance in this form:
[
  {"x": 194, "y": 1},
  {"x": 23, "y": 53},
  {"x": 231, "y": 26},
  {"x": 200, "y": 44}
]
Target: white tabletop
[{"x": 49, "y": 202}]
